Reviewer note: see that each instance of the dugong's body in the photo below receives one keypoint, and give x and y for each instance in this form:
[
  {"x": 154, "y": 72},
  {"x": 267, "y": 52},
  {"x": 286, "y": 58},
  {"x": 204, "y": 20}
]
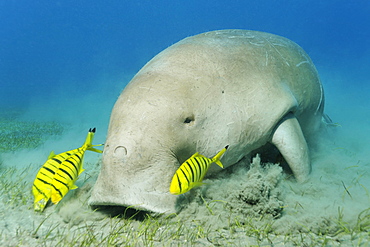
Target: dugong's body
[{"x": 239, "y": 88}]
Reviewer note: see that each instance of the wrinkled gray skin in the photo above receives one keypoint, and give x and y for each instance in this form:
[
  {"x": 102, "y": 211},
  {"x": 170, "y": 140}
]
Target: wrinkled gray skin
[{"x": 236, "y": 87}]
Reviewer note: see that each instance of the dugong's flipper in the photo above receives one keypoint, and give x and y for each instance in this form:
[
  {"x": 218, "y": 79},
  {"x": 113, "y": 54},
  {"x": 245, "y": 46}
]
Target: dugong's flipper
[{"x": 289, "y": 139}]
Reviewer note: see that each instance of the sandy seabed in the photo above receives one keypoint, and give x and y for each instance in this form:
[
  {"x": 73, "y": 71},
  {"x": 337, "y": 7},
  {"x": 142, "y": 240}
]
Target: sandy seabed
[{"x": 249, "y": 204}]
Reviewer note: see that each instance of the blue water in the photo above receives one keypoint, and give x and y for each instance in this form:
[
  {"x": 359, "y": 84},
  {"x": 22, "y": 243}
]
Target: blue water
[{"x": 53, "y": 49}]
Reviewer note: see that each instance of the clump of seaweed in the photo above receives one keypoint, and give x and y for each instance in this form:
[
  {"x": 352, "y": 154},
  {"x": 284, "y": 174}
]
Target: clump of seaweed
[
  {"x": 14, "y": 186},
  {"x": 260, "y": 194},
  {"x": 254, "y": 192},
  {"x": 355, "y": 231}
]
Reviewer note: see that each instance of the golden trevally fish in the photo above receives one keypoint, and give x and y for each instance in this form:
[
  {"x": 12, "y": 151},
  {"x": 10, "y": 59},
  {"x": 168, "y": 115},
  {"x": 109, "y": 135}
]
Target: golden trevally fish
[
  {"x": 59, "y": 174},
  {"x": 191, "y": 173}
]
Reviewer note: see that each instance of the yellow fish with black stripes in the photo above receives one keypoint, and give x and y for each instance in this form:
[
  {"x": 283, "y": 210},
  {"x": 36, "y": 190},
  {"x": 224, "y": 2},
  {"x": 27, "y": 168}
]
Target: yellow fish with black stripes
[
  {"x": 59, "y": 174},
  {"x": 191, "y": 173}
]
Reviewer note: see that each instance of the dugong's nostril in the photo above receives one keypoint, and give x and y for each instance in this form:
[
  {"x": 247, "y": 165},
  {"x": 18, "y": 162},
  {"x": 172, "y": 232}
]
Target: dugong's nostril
[{"x": 120, "y": 151}]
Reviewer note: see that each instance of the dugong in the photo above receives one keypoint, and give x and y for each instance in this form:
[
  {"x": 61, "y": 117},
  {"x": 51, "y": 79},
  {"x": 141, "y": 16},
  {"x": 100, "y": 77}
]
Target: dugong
[{"x": 245, "y": 89}]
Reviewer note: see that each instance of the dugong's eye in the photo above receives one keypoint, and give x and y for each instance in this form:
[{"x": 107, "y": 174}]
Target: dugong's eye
[{"x": 189, "y": 120}]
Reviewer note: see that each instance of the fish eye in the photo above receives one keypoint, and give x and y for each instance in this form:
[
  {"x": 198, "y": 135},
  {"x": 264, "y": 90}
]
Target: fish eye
[{"x": 189, "y": 120}]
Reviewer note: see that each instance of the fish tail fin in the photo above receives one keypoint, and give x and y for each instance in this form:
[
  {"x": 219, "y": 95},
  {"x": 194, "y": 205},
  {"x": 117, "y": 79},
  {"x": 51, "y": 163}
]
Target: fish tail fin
[
  {"x": 89, "y": 139},
  {"x": 217, "y": 157}
]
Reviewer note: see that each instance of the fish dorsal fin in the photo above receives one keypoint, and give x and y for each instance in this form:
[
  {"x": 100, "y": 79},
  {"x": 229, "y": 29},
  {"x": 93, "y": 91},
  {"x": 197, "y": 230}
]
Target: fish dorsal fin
[
  {"x": 195, "y": 155},
  {"x": 51, "y": 155},
  {"x": 198, "y": 155}
]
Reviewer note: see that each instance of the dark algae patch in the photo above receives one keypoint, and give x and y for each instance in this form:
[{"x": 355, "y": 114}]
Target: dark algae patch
[{"x": 17, "y": 134}]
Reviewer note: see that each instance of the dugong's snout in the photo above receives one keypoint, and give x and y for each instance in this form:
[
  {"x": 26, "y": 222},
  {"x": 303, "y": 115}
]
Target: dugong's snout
[{"x": 134, "y": 181}]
